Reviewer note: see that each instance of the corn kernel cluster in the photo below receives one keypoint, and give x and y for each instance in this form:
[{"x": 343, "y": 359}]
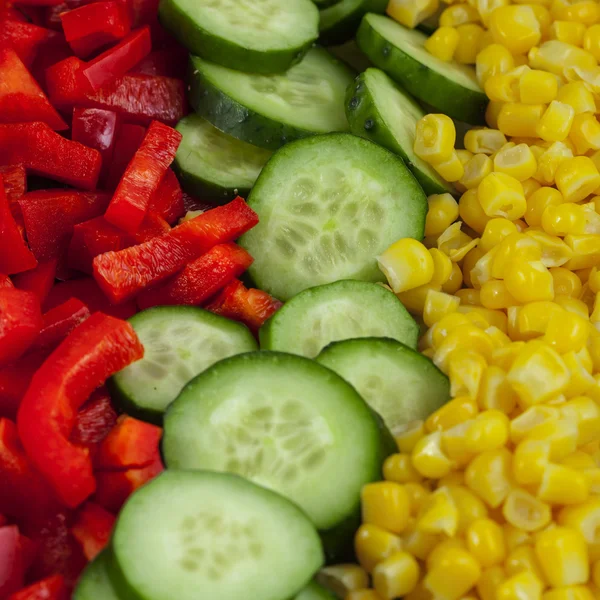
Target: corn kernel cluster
[{"x": 496, "y": 496}]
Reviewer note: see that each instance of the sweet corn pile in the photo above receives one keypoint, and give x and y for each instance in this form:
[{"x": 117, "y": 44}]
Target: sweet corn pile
[{"x": 496, "y": 496}]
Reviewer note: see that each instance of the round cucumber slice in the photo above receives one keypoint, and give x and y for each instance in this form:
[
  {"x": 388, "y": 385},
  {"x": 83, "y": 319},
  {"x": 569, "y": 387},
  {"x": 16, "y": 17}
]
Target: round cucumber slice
[
  {"x": 377, "y": 109},
  {"x": 179, "y": 343},
  {"x": 339, "y": 22},
  {"x": 283, "y": 421},
  {"x": 271, "y": 110},
  {"x": 258, "y": 37},
  {"x": 328, "y": 206},
  {"x": 190, "y": 535},
  {"x": 338, "y": 311},
  {"x": 399, "y": 383},
  {"x": 450, "y": 87},
  {"x": 95, "y": 583},
  {"x": 213, "y": 165}
]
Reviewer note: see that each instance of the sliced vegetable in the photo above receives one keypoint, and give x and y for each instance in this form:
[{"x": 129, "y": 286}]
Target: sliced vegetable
[
  {"x": 95, "y": 583},
  {"x": 15, "y": 379},
  {"x": 25, "y": 38},
  {"x": 167, "y": 200},
  {"x": 340, "y": 21},
  {"x": 58, "y": 322},
  {"x": 20, "y": 322},
  {"x": 92, "y": 529},
  {"x": 15, "y": 181},
  {"x": 51, "y": 588},
  {"x": 94, "y": 421},
  {"x": 12, "y": 569},
  {"x": 314, "y": 591},
  {"x": 39, "y": 281},
  {"x": 129, "y": 139}
]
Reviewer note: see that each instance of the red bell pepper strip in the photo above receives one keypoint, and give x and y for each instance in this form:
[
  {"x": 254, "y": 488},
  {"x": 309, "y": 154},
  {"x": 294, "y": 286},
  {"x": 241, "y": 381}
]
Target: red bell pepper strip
[
  {"x": 92, "y": 529},
  {"x": 250, "y": 306},
  {"x": 15, "y": 256},
  {"x": 119, "y": 59},
  {"x": 88, "y": 291},
  {"x": 140, "y": 98},
  {"x": 12, "y": 569},
  {"x": 21, "y": 98},
  {"x": 129, "y": 139},
  {"x": 20, "y": 323},
  {"x": 123, "y": 274},
  {"x": 200, "y": 279},
  {"x": 58, "y": 323},
  {"x": 52, "y": 588},
  {"x": 96, "y": 128},
  {"x": 15, "y": 181},
  {"x": 169, "y": 62},
  {"x": 14, "y": 381},
  {"x": 99, "y": 347},
  {"x": 52, "y": 15},
  {"x": 45, "y": 152},
  {"x": 142, "y": 177},
  {"x": 94, "y": 421},
  {"x": 39, "y": 280},
  {"x": 167, "y": 201},
  {"x": 51, "y": 215},
  {"x": 152, "y": 226},
  {"x": 25, "y": 38},
  {"x": 5, "y": 282}
]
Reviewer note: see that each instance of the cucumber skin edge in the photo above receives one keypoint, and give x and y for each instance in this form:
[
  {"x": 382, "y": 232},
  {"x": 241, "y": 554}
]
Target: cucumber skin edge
[
  {"x": 345, "y": 29},
  {"x": 421, "y": 81}
]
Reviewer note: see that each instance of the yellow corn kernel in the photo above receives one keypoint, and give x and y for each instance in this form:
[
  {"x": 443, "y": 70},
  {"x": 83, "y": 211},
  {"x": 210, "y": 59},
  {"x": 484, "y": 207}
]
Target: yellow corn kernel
[
  {"x": 471, "y": 212},
  {"x": 399, "y": 468},
  {"x": 586, "y": 251},
  {"x": 343, "y": 579},
  {"x": 577, "y": 178},
  {"x": 453, "y": 576},
  {"x": 555, "y": 252},
  {"x": 452, "y": 479},
  {"x": 516, "y": 118},
  {"x": 592, "y": 218},
  {"x": 470, "y": 507},
  {"x": 585, "y": 520},
  {"x": 364, "y": 594},
  {"x": 537, "y": 87},
  {"x": 454, "y": 444},
  {"x": 468, "y": 43},
  {"x": 593, "y": 280},
  {"x": 428, "y": 457},
  {"x": 581, "y": 380},
  {"x": 458, "y": 14},
  {"x": 469, "y": 296},
  {"x": 579, "y": 460},
  {"x": 396, "y": 576},
  {"x": 555, "y": 124},
  {"x": 576, "y": 95},
  {"x": 414, "y": 300},
  {"x": 465, "y": 337},
  {"x": 563, "y": 556},
  {"x": 514, "y": 538},
  {"x": 452, "y": 413},
  {"x": 489, "y": 582},
  {"x": 464, "y": 156},
  {"x": 484, "y": 141},
  {"x": 489, "y": 476},
  {"x": 411, "y": 12},
  {"x": 526, "y": 512},
  {"x": 495, "y": 231},
  {"x": 445, "y": 326},
  {"x": 491, "y": 113},
  {"x": 501, "y": 195},
  {"x": 374, "y": 544},
  {"x": 443, "y": 43},
  {"x": 451, "y": 169},
  {"x": 589, "y": 76},
  {"x": 502, "y": 87},
  {"x": 485, "y": 541},
  {"x": 438, "y": 305},
  {"x": 582, "y": 11},
  {"x": 560, "y": 433},
  {"x": 417, "y": 495},
  {"x": 475, "y": 170},
  {"x": 407, "y": 264},
  {"x": 530, "y": 186},
  {"x": 529, "y": 281},
  {"x": 531, "y": 418},
  {"x": 574, "y": 592},
  {"x": 554, "y": 56},
  {"x": 595, "y": 316},
  {"x": 495, "y": 295},
  {"x": 563, "y": 485},
  {"x": 538, "y": 202},
  {"x": 566, "y": 332},
  {"x": 489, "y": 431},
  {"x": 494, "y": 59},
  {"x": 443, "y": 550},
  {"x": 456, "y": 243},
  {"x": 435, "y": 138},
  {"x": 520, "y": 586},
  {"x": 530, "y": 460},
  {"x": 495, "y": 392},
  {"x": 419, "y": 543},
  {"x": 566, "y": 283},
  {"x": 522, "y": 559},
  {"x": 518, "y": 162},
  {"x": 465, "y": 369},
  {"x": 533, "y": 318},
  {"x": 515, "y": 27},
  {"x": 454, "y": 281},
  {"x": 385, "y": 504},
  {"x": 550, "y": 160},
  {"x": 442, "y": 267},
  {"x": 494, "y": 318},
  {"x": 419, "y": 593},
  {"x": 442, "y": 212},
  {"x": 408, "y": 435},
  {"x": 563, "y": 219},
  {"x": 439, "y": 513},
  {"x": 585, "y": 133},
  {"x": 591, "y": 41},
  {"x": 569, "y": 32}
]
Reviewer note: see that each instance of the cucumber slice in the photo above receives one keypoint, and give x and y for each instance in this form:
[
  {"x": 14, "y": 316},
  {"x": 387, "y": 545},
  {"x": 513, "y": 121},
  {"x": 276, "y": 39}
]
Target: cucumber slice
[
  {"x": 325, "y": 3},
  {"x": 268, "y": 111},
  {"x": 179, "y": 343},
  {"x": 450, "y": 87},
  {"x": 314, "y": 591},
  {"x": 351, "y": 54},
  {"x": 328, "y": 206},
  {"x": 378, "y": 110},
  {"x": 339, "y": 22},
  {"x": 338, "y": 311},
  {"x": 258, "y": 37},
  {"x": 95, "y": 583},
  {"x": 190, "y": 535},
  {"x": 400, "y": 384},
  {"x": 213, "y": 165},
  {"x": 285, "y": 422}
]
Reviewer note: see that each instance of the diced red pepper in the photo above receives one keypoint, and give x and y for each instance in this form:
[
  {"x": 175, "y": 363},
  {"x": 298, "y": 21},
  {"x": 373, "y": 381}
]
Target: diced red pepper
[
  {"x": 45, "y": 152},
  {"x": 15, "y": 181},
  {"x": 152, "y": 226},
  {"x": 88, "y": 291},
  {"x": 12, "y": 568},
  {"x": 51, "y": 215},
  {"x": 124, "y": 274},
  {"x": 6, "y": 282},
  {"x": 96, "y": 128},
  {"x": 15, "y": 256},
  {"x": 140, "y": 98},
  {"x": 167, "y": 201},
  {"x": 20, "y": 323},
  {"x": 21, "y": 98},
  {"x": 142, "y": 177},
  {"x": 52, "y": 588},
  {"x": 58, "y": 323},
  {"x": 94, "y": 421},
  {"x": 14, "y": 381},
  {"x": 119, "y": 59},
  {"x": 25, "y": 38},
  {"x": 250, "y": 306},
  {"x": 39, "y": 280},
  {"x": 99, "y": 347},
  {"x": 129, "y": 139},
  {"x": 52, "y": 15},
  {"x": 132, "y": 444},
  {"x": 92, "y": 529},
  {"x": 169, "y": 62},
  {"x": 200, "y": 279}
]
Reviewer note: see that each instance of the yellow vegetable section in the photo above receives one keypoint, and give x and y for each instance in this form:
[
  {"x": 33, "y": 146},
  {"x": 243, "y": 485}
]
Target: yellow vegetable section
[{"x": 496, "y": 496}]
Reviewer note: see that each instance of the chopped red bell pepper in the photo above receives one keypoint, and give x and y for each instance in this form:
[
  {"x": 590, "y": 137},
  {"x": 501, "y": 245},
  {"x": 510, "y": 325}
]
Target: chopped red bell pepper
[
  {"x": 51, "y": 215},
  {"x": 88, "y": 291},
  {"x": 142, "y": 177},
  {"x": 140, "y": 98},
  {"x": 99, "y": 347},
  {"x": 96, "y": 128},
  {"x": 6, "y": 282},
  {"x": 15, "y": 256},
  {"x": 14, "y": 381},
  {"x": 45, "y": 152},
  {"x": 39, "y": 280},
  {"x": 124, "y": 274},
  {"x": 152, "y": 226},
  {"x": 129, "y": 139},
  {"x": 200, "y": 279},
  {"x": 92, "y": 529},
  {"x": 51, "y": 588},
  {"x": 12, "y": 569},
  {"x": 169, "y": 62},
  {"x": 21, "y": 98},
  {"x": 167, "y": 201},
  {"x": 15, "y": 181},
  {"x": 131, "y": 444},
  {"x": 25, "y": 38},
  {"x": 52, "y": 15},
  {"x": 20, "y": 323},
  {"x": 119, "y": 59},
  {"x": 58, "y": 323},
  {"x": 250, "y": 306},
  {"x": 94, "y": 421}
]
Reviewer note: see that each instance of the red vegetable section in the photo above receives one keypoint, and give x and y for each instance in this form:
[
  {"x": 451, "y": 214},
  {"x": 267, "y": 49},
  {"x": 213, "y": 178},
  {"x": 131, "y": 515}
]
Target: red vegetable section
[{"x": 20, "y": 322}]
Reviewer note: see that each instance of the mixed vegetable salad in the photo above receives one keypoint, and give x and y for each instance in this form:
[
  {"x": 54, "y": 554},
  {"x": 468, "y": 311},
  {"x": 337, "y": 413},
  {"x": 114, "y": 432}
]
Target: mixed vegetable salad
[{"x": 299, "y": 299}]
